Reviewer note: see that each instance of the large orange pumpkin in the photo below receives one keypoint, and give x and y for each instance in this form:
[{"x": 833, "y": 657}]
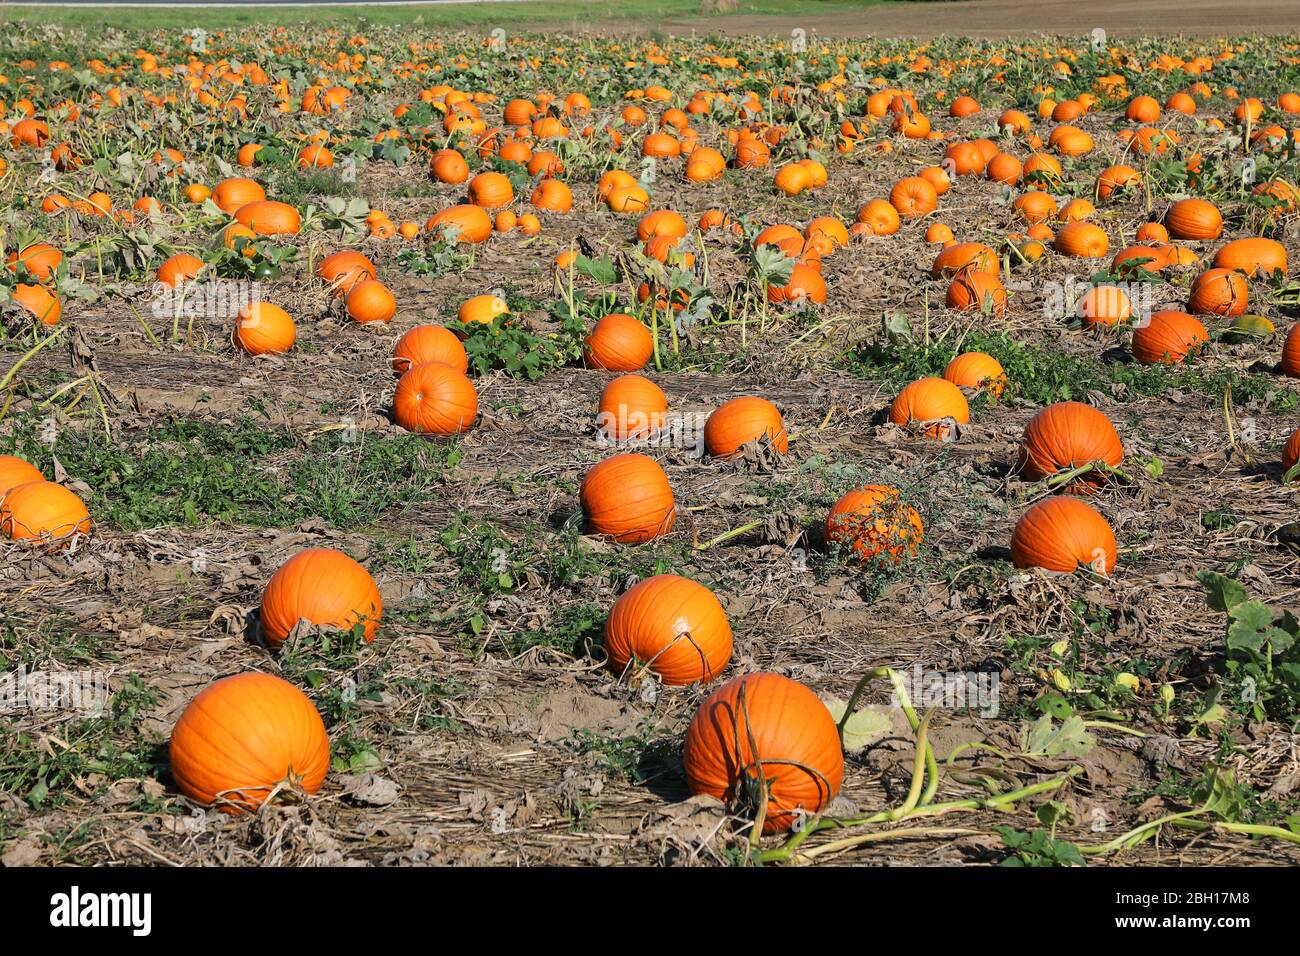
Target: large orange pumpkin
[
  {"x": 491, "y": 190},
  {"x": 1168, "y": 338},
  {"x": 1219, "y": 292},
  {"x": 631, "y": 406},
  {"x": 40, "y": 259},
  {"x": 179, "y": 269},
  {"x": 796, "y": 748},
  {"x": 429, "y": 343},
  {"x": 1253, "y": 256},
  {"x": 1194, "y": 219},
  {"x": 370, "y": 301},
  {"x": 325, "y": 587},
  {"x": 1082, "y": 239},
  {"x": 1065, "y": 436},
  {"x": 1063, "y": 534},
  {"x": 263, "y": 328},
  {"x": 672, "y": 626},
  {"x": 42, "y": 509},
  {"x": 875, "y": 519},
  {"x": 932, "y": 400},
  {"x": 741, "y": 420},
  {"x": 243, "y": 735},
  {"x": 976, "y": 370},
  {"x": 231, "y": 195},
  {"x": 628, "y": 498},
  {"x": 468, "y": 222},
  {"x": 435, "y": 399},
  {"x": 344, "y": 269},
  {"x": 618, "y": 342},
  {"x": 16, "y": 471},
  {"x": 965, "y": 257},
  {"x": 267, "y": 217}
]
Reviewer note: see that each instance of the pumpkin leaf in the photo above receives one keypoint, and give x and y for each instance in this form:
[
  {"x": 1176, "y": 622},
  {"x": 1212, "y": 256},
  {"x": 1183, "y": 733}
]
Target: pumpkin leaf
[
  {"x": 1042, "y": 738},
  {"x": 1222, "y": 593},
  {"x": 866, "y": 725}
]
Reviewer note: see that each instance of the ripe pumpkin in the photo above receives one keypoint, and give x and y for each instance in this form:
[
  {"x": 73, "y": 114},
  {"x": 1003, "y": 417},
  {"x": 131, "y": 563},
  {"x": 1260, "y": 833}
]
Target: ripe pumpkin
[
  {"x": 345, "y": 269},
  {"x": 1194, "y": 219},
  {"x": 468, "y": 222},
  {"x": 435, "y": 399},
  {"x": 15, "y": 471},
  {"x": 913, "y": 197},
  {"x": 491, "y": 190},
  {"x": 551, "y": 195},
  {"x": 1063, "y": 534},
  {"x": 429, "y": 343},
  {"x": 269, "y": 218},
  {"x": 875, "y": 519},
  {"x": 1116, "y": 178},
  {"x": 1068, "y": 435},
  {"x": 325, "y": 587},
  {"x": 1219, "y": 292},
  {"x": 1290, "y": 453},
  {"x": 482, "y": 308},
  {"x": 39, "y": 259},
  {"x": 1083, "y": 239},
  {"x": 804, "y": 285},
  {"x": 262, "y": 328},
  {"x": 1253, "y": 256},
  {"x": 231, "y": 195},
  {"x": 631, "y": 406},
  {"x": 618, "y": 342},
  {"x": 628, "y": 498},
  {"x": 1035, "y": 206},
  {"x": 965, "y": 256},
  {"x": 741, "y": 420},
  {"x": 43, "y": 304},
  {"x": 977, "y": 370},
  {"x": 179, "y": 269},
  {"x": 449, "y": 166},
  {"x": 935, "y": 401},
  {"x": 40, "y": 509},
  {"x": 1105, "y": 305},
  {"x": 1168, "y": 338},
  {"x": 672, "y": 626},
  {"x": 243, "y": 735},
  {"x": 370, "y": 301},
  {"x": 797, "y": 744},
  {"x": 976, "y": 291}
]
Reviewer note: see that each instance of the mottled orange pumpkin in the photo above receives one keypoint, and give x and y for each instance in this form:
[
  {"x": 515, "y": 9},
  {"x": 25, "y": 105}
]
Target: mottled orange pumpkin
[{"x": 872, "y": 520}]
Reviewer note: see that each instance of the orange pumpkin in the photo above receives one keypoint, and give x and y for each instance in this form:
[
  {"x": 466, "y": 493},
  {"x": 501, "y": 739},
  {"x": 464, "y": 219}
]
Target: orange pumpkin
[
  {"x": 742, "y": 420},
  {"x": 913, "y": 197},
  {"x": 1194, "y": 219},
  {"x": 977, "y": 370},
  {"x": 269, "y": 218},
  {"x": 1082, "y": 239},
  {"x": 467, "y": 222},
  {"x": 1063, "y": 534},
  {"x": 345, "y": 269},
  {"x": 43, "y": 304},
  {"x": 179, "y": 269},
  {"x": 1105, "y": 305},
  {"x": 449, "y": 166},
  {"x": 435, "y": 399},
  {"x": 491, "y": 190},
  {"x": 1168, "y": 338},
  {"x": 429, "y": 343},
  {"x": 671, "y": 626},
  {"x": 967, "y": 257},
  {"x": 482, "y": 308},
  {"x": 370, "y": 301},
  {"x": 231, "y": 195},
  {"x": 325, "y": 587},
  {"x": 39, "y": 259},
  {"x": 874, "y": 519},
  {"x": 628, "y": 498},
  {"x": 1065, "y": 436},
  {"x": 1219, "y": 292},
  {"x": 42, "y": 509},
  {"x": 631, "y": 406},
  {"x": 618, "y": 342},
  {"x": 14, "y": 472},
  {"x": 1253, "y": 256},
  {"x": 262, "y": 328},
  {"x": 975, "y": 292},
  {"x": 797, "y": 744},
  {"x": 242, "y": 736},
  {"x": 934, "y": 401}
]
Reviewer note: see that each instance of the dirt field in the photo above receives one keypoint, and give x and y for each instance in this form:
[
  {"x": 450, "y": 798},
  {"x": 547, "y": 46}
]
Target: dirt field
[{"x": 479, "y": 728}]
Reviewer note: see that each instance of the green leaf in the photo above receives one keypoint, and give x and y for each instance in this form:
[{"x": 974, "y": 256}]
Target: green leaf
[
  {"x": 1043, "y": 739},
  {"x": 864, "y": 726},
  {"x": 1222, "y": 593}
]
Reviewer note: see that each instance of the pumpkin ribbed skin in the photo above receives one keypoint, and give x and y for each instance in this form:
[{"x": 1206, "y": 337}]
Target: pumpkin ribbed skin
[
  {"x": 628, "y": 498},
  {"x": 247, "y": 733},
  {"x": 1219, "y": 292},
  {"x": 1168, "y": 338},
  {"x": 344, "y": 269},
  {"x": 263, "y": 329},
  {"x": 1063, "y": 534},
  {"x": 40, "y": 508},
  {"x": 39, "y": 301},
  {"x": 631, "y": 406},
  {"x": 1194, "y": 219},
  {"x": 795, "y": 737},
  {"x": 324, "y": 586},
  {"x": 435, "y": 399},
  {"x": 231, "y": 195},
  {"x": 618, "y": 342},
  {"x": 1068, "y": 435},
  {"x": 1291, "y": 452},
  {"x": 370, "y": 301},
  {"x": 16, "y": 471},
  {"x": 1082, "y": 239},
  {"x": 977, "y": 370},
  {"x": 179, "y": 269},
  {"x": 1253, "y": 256},
  {"x": 449, "y": 166},
  {"x": 40, "y": 259},
  {"x": 873, "y": 519},
  {"x": 429, "y": 343},
  {"x": 969, "y": 256},
  {"x": 1291, "y": 353},
  {"x": 470, "y": 223},
  {"x": 975, "y": 292},
  {"x": 491, "y": 190},
  {"x": 674, "y": 626},
  {"x": 741, "y": 420},
  {"x": 930, "y": 400},
  {"x": 267, "y": 217},
  {"x": 1105, "y": 305}
]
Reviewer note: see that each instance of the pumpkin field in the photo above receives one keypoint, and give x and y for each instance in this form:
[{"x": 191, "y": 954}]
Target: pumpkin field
[{"x": 481, "y": 447}]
